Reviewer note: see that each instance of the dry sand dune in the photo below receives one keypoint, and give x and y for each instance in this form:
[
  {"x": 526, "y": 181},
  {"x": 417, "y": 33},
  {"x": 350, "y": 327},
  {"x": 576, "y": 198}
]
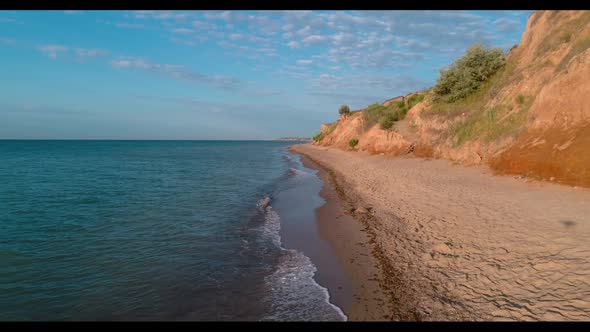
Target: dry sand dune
[{"x": 459, "y": 243}]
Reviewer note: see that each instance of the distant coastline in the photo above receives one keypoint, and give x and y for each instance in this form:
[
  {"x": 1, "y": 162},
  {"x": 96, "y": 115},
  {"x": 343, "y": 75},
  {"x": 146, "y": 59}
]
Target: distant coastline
[{"x": 306, "y": 139}]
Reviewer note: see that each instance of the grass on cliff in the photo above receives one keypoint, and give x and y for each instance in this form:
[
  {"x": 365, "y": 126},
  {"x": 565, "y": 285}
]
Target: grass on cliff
[
  {"x": 491, "y": 124},
  {"x": 320, "y": 136},
  {"x": 415, "y": 99},
  {"x": 579, "y": 46},
  {"x": 567, "y": 32},
  {"x": 386, "y": 116}
]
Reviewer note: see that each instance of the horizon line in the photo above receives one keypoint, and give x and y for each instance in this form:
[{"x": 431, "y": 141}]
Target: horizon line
[{"x": 139, "y": 139}]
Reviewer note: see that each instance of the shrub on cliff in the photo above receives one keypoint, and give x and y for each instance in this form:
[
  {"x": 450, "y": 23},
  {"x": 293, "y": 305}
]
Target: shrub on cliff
[
  {"x": 383, "y": 115},
  {"x": 388, "y": 120},
  {"x": 344, "y": 110},
  {"x": 373, "y": 113},
  {"x": 400, "y": 104},
  {"x": 353, "y": 143},
  {"x": 415, "y": 99},
  {"x": 468, "y": 73},
  {"x": 318, "y": 137}
]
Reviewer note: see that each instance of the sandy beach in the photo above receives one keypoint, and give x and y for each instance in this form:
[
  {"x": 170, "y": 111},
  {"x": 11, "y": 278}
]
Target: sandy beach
[
  {"x": 437, "y": 241},
  {"x": 363, "y": 299}
]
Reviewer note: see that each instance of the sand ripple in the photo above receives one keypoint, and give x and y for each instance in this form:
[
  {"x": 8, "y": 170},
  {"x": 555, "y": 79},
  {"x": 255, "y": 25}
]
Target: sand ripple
[{"x": 463, "y": 244}]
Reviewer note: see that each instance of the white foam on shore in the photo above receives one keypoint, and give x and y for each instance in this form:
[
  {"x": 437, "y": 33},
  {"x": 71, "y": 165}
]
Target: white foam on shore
[
  {"x": 297, "y": 172},
  {"x": 294, "y": 293}
]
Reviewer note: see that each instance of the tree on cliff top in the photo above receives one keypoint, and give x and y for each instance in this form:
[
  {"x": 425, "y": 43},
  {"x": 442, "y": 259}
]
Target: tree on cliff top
[
  {"x": 344, "y": 110},
  {"x": 468, "y": 73}
]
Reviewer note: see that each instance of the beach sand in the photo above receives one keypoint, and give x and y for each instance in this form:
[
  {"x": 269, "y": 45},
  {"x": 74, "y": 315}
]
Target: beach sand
[
  {"x": 448, "y": 242},
  {"x": 365, "y": 300}
]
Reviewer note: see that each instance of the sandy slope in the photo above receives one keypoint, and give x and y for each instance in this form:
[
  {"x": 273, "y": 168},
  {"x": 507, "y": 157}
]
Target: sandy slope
[{"x": 460, "y": 243}]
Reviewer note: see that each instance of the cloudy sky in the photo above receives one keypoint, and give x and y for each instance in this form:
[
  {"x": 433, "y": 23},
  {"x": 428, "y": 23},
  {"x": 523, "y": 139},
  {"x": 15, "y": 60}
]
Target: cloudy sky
[{"x": 221, "y": 74}]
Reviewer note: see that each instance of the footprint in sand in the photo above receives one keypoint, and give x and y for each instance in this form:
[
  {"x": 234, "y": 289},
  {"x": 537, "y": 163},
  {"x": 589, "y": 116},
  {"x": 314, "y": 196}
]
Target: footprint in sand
[{"x": 568, "y": 223}]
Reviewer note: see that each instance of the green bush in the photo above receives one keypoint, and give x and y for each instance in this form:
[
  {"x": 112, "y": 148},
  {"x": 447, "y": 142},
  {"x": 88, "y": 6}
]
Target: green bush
[
  {"x": 353, "y": 143},
  {"x": 387, "y": 120},
  {"x": 400, "y": 104},
  {"x": 344, "y": 110},
  {"x": 476, "y": 101},
  {"x": 373, "y": 113},
  {"x": 402, "y": 112},
  {"x": 320, "y": 136},
  {"x": 415, "y": 99},
  {"x": 520, "y": 99},
  {"x": 467, "y": 74},
  {"x": 385, "y": 116}
]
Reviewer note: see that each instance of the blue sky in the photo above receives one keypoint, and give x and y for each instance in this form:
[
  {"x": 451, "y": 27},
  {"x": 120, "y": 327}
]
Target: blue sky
[{"x": 221, "y": 74}]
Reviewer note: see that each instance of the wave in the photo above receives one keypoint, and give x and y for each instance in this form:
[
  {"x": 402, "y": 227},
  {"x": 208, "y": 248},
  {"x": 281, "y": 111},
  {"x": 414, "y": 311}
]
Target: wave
[
  {"x": 297, "y": 172},
  {"x": 293, "y": 293}
]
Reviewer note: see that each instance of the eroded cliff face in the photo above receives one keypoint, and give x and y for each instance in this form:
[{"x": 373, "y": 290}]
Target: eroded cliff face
[
  {"x": 555, "y": 141},
  {"x": 371, "y": 138},
  {"x": 532, "y": 119}
]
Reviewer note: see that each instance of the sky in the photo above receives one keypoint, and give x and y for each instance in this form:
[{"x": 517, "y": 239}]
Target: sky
[{"x": 221, "y": 74}]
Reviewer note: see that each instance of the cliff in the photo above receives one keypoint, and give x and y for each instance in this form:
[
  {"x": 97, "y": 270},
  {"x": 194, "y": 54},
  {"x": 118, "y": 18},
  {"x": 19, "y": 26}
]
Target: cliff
[{"x": 531, "y": 118}]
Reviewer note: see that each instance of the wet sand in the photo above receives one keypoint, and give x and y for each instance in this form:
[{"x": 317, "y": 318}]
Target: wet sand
[
  {"x": 454, "y": 243},
  {"x": 366, "y": 299},
  {"x": 335, "y": 243}
]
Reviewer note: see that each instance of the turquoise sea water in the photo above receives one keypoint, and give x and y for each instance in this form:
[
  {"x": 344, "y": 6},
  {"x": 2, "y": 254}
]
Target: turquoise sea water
[{"x": 150, "y": 230}]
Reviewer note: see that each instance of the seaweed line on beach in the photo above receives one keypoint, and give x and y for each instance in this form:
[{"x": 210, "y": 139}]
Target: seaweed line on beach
[{"x": 393, "y": 282}]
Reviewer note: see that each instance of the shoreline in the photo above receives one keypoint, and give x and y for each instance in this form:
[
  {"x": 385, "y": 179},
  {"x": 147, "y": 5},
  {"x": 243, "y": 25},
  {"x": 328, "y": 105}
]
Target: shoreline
[
  {"x": 457, "y": 243},
  {"x": 378, "y": 293},
  {"x": 366, "y": 300}
]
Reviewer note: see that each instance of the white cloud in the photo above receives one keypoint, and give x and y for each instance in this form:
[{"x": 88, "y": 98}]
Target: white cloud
[
  {"x": 231, "y": 17},
  {"x": 354, "y": 40},
  {"x": 360, "y": 82},
  {"x": 361, "y": 90},
  {"x": 363, "y": 39},
  {"x": 506, "y": 24},
  {"x": 123, "y": 25},
  {"x": 304, "y": 62},
  {"x": 343, "y": 38},
  {"x": 175, "y": 71},
  {"x": 161, "y": 15},
  {"x": 203, "y": 25},
  {"x": 130, "y": 62},
  {"x": 306, "y": 31},
  {"x": 84, "y": 53},
  {"x": 8, "y": 20},
  {"x": 183, "y": 41},
  {"x": 73, "y": 12},
  {"x": 183, "y": 31},
  {"x": 129, "y": 25},
  {"x": 315, "y": 39},
  {"x": 53, "y": 51}
]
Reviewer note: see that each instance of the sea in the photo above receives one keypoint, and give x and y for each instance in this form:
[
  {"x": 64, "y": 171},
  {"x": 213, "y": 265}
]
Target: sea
[{"x": 155, "y": 230}]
